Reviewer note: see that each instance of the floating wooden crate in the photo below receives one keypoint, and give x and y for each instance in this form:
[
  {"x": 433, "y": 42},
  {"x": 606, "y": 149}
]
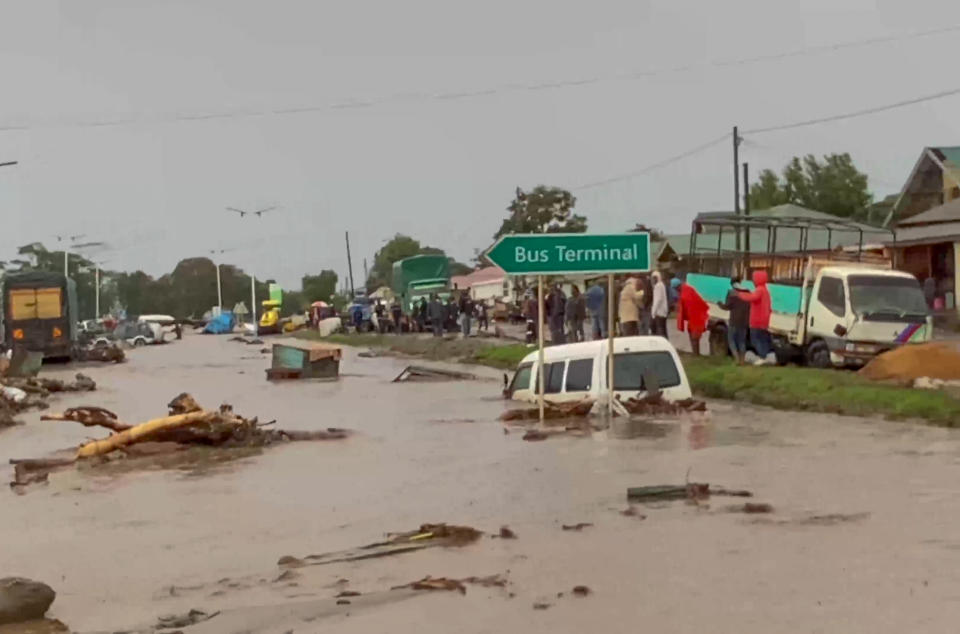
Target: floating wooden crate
[{"x": 297, "y": 359}]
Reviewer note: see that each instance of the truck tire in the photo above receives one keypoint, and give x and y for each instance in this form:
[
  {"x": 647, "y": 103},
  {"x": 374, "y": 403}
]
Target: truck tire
[
  {"x": 139, "y": 342},
  {"x": 818, "y": 354},
  {"x": 719, "y": 347}
]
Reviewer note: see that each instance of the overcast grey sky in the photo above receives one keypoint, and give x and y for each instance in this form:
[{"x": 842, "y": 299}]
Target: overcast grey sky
[{"x": 441, "y": 170}]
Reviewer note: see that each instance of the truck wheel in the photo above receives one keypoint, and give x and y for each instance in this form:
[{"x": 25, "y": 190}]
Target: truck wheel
[
  {"x": 818, "y": 354},
  {"x": 138, "y": 342},
  {"x": 718, "y": 341}
]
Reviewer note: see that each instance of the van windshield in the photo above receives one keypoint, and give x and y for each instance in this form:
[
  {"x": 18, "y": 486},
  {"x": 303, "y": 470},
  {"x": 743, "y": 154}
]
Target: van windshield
[
  {"x": 521, "y": 380},
  {"x": 629, "y": 368},
  {"x": 885, "y": 298}
]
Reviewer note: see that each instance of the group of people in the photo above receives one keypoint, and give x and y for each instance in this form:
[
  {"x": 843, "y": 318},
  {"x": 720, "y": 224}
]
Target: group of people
[
  {"x": 457, "y": 313},
  {"x": 644, "y": 302}
]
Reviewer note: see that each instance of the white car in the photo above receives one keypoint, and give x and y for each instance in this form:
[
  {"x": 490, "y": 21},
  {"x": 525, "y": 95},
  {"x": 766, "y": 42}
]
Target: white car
[
  {"x": 577, "y": 371},
  {"x": 133, "y": 333}
]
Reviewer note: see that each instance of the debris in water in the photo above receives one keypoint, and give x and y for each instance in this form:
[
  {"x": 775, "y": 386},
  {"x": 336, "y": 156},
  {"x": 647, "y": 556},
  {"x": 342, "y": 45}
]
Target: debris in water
[
  {"x": 689, "y": 491},
  {"x": 187, "y": 424},
  {"x": 577, "y": 409},
  {"x": 579, "y": 526},
  {"x": 541, "y": 605},
  {"x": 491, "y": 581},
  {"x": 656, "y": 405},
  {"x": 581, "y": 591},
  {"x": 756, "y": 507},
  {"x": 24, "y": 600},
  {"x": 422, "y": 373},
  {"x": 343, "y": 602},
  {"x": 631, "y": 511},
  {"x": 348, "y": 593},
  {"x": 111, "y": 353},
  {"x": 184, "y": 620},
  {"x": 427, "y": 536},
  {"x": 506, "y": 533},
  {"x": 435, "y": 583},
  {"x": 535, "y": 435}
]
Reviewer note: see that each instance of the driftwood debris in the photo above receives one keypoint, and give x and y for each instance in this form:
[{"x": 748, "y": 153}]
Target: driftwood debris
[
  {"x": 655, "y": 405},
  {"x": 689, "y": 491},
  {"x": 577, "y": 409},
  {"x": 188, "y": 423},
  {"x": 427, "y": 536},
  {"x": 423, "y": 373}
]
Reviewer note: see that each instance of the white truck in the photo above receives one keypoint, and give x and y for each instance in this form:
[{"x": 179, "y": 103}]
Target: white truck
[{"x": 841, "y": 311}]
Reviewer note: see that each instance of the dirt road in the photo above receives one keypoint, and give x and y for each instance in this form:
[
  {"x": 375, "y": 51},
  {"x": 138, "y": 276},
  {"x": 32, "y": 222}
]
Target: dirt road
[{"x": 863, "y": 537}]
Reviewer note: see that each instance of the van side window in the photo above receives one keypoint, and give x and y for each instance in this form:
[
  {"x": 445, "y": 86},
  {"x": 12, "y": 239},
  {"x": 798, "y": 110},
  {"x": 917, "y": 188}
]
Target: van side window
[
  {"x": 628, "y": 370},
  {"x": 553, "y": 378},
  {"x": 831, "y": 295},
  {"x": 580, "y": 375}
]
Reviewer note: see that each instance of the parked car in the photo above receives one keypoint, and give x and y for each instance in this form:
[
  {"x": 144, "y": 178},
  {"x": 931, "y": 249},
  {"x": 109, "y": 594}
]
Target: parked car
[
  {"x": 133, "y": 333},
  {"x": 576, "y": 371}
]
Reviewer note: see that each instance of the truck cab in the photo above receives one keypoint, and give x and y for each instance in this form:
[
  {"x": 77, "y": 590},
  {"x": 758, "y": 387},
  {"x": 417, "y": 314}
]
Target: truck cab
[{"x": 854, "y": 314}]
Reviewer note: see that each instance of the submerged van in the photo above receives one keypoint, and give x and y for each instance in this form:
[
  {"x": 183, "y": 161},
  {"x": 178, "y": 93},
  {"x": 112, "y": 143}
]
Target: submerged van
[{"x": 576, "y": 371}]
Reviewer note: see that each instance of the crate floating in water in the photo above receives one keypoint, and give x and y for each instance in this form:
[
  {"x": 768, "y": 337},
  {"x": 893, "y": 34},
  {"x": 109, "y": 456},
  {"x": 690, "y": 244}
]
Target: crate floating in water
[{"x": 295, "y": 359}]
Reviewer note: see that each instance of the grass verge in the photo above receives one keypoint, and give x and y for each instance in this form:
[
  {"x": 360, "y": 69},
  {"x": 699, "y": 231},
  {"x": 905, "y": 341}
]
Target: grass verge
[{"x": 786, "y": 388}]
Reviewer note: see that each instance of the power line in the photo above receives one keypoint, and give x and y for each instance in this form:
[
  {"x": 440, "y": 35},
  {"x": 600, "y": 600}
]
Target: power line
[
  {"x": 654, "y": 166},
  {"x": 415, "y": 97},
  {"x": 856, "y": 113}
]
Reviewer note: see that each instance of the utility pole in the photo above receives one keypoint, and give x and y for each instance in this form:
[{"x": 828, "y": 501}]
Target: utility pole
[
  {"x": 746, "y": 206},
  {"x": 66, "y": 251},
  {"x": 217, "y": 252},
  {"x": 366, "y": 272},
  {"x": 353, "y": 291},
  {"x": 736, "y": 179}
]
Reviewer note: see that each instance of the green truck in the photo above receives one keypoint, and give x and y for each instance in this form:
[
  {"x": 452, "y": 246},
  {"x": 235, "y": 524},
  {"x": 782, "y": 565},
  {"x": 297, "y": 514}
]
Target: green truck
[{"x": 419, "y": 277}]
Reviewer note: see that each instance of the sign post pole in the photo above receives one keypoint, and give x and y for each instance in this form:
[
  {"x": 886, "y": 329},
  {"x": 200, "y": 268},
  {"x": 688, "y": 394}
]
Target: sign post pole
[
  {"x": 540, "y": 367},
  {"x": 610, "y": 324}
]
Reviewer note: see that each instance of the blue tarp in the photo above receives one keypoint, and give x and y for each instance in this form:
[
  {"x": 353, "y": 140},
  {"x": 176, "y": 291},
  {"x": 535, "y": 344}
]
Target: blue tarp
[{"x": 220, "y": 324}]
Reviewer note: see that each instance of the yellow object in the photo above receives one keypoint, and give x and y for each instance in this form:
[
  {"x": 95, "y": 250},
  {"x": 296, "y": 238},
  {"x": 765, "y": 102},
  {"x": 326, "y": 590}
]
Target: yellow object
[
  {"x": 270, "y": 318},
  {"x": 40, "y": 303},
  {"x": 99, "y": 447},
  {"x": 421, "y": 536},
  {"x": 270, "y": 303},
  {"x": 57, "y": 333},
  {"x": 18, "y": 333}
]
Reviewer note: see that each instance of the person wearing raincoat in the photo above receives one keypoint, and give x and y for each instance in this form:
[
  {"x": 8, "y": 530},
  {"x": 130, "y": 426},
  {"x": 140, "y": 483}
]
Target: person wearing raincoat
[
  {"x": 760, "y": 309},
  {"x": 692, "y": 315}
]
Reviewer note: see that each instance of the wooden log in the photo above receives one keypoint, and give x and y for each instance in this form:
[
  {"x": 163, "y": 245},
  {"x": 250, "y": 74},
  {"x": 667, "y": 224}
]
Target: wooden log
[
  {"x": 143, "y": 431},
  {"x": 90, "y": 417}
]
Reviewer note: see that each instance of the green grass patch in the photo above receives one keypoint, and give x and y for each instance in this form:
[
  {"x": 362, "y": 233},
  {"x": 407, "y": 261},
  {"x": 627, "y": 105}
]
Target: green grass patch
[
  {"x": 787, "y": 388},
  {"x": 811, "y": 389}
]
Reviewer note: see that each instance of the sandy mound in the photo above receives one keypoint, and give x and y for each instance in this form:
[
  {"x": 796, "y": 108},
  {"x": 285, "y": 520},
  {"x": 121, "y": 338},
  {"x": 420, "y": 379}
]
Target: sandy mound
[{"x": 937, "y": 360}]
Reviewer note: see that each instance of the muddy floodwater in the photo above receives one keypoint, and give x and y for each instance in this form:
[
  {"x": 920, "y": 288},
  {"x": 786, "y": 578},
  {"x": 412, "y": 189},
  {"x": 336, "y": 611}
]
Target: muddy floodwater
[{"x": 863, "y": 538}]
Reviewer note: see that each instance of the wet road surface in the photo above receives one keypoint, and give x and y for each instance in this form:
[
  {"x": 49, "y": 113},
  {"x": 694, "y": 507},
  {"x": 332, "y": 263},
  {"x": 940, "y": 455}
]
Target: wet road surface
[{"x": 863, "y": 537}]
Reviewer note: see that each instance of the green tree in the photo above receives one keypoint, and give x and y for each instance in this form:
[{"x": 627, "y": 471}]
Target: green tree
[
  {"x": 319, "y": 287},
  {"x": 834, "y": 186},
  {"x": 542, "y": 210}
]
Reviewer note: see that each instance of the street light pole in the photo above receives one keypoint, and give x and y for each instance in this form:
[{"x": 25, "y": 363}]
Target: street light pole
[{"x": 253, "y": 280}]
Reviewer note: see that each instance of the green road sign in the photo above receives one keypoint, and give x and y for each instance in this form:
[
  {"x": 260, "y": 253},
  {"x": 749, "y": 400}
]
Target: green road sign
[{"x": 558, "y": 253}]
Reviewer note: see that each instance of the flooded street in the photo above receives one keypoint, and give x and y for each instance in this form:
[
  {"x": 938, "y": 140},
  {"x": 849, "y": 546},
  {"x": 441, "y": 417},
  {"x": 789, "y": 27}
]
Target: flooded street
[{"x": 863, "y": 536}]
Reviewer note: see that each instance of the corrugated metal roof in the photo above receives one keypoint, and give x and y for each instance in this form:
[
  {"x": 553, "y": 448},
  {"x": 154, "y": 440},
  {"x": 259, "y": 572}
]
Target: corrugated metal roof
[
  {"x": 946, "y": 212},
  {"x": 929, "y": 233}
]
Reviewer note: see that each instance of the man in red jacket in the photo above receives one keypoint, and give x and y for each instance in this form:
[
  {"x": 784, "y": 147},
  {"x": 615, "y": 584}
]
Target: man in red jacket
[
  {"x": 693, "y": 313},
  {"x": 760, "y": 309}
]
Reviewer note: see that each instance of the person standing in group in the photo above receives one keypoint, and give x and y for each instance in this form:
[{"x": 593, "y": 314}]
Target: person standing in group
[
  {"x": 531, "y": 312},
  {"x": 466, "y": 311},
  {"x": 760, "y": 308},
  {"x": 437, "y": 315},
  {"x": 380, "y": 311},
  {"x": 483, "y": 321},
  {"x": 692, "y": 315},
  {"x": 453, "y": 317},
  {"x": 630, "y": 304},
  {"x": 673, "y": 292},
  {"x": 659, "y": 308},
  {"x": 575, "y": 313},
  {"x": 396, "y": 312},
  {"x": 645, "y": 289},
  {"x": 422, "y": 315},
  {"x": 556, "y": 312},
  {"x": 739, "y": 320},
  {"x": 596, "y": 303}
]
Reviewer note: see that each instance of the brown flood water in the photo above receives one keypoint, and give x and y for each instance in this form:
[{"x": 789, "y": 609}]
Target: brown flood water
[{"x": 123, "y": 548}]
